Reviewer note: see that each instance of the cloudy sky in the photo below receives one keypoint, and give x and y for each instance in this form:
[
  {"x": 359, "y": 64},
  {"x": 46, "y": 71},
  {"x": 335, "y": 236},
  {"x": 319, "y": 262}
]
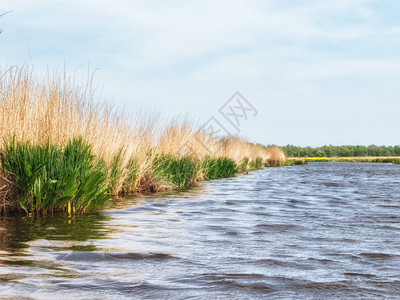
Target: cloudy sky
[{"x": 317, "y": 72}]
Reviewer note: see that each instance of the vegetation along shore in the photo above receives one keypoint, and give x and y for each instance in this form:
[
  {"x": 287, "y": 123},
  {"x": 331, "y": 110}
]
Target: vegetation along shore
[
  {"x": 61, "y": 152},
  {"x": 347, "y": 153},
  {"x": 342, "y": 151},
  {"x": 304, "y": 160}
]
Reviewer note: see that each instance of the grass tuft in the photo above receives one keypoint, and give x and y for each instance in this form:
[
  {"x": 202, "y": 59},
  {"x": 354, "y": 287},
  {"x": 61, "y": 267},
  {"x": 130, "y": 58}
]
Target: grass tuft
[
  {"x": 116, "y": 173},
  {"x": 256, "y": 164},
  {"x": 243, "y": 164},
  {"x": 49, "y": 178},
  {"x": 221, "y": 167},
  {"x": 181, "y": 171}
]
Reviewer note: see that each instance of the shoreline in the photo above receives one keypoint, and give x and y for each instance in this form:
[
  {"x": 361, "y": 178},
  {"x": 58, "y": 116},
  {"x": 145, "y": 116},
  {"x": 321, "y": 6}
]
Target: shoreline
[
  {"x": 9, "y": 205},
  {"x": 353, "y": 159},
  {"x": 63, "y": 152}
]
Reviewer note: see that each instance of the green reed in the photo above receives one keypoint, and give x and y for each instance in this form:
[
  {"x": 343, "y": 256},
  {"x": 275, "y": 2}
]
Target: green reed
[
  {"x": 181, "y": 171},
  {"x": 256, "y": 164},
  {"x": 48, "y": 177},
  {"x": 221, "y": 167},
  {"x": 243, "y": 165}
]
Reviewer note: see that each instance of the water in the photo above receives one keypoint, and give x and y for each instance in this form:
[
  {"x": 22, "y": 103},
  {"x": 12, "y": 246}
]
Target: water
[{"x": 325, "y": 230}]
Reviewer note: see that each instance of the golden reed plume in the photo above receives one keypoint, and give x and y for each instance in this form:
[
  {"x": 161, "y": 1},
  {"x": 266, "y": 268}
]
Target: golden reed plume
[{"x": 56, "y": 110}]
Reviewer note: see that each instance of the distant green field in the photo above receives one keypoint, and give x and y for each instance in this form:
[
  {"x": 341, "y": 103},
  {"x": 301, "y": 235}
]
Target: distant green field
[
  {"x": 366, "y": 159},
  {"x": 342, "y": 151}
]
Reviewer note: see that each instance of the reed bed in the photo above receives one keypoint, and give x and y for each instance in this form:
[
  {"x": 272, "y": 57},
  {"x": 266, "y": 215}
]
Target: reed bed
[
  {"x": 52, "y": 128},
  {"x": 7, "y": 197}
]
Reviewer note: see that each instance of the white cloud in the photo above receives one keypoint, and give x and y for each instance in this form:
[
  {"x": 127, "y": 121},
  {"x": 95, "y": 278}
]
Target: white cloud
[{"x": 190, "y": 56}]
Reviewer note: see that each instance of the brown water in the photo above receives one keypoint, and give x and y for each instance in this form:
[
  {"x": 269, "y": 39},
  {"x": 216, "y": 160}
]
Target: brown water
[{"x": 325, "y": 230}]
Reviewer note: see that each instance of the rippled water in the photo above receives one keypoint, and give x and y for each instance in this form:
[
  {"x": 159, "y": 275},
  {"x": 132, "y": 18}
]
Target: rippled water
[{"x": 325, "y": 230}]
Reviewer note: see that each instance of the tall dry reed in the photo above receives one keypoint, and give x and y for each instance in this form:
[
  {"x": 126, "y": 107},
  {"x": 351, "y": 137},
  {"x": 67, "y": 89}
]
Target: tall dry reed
[{"x": 56, "y": 109}]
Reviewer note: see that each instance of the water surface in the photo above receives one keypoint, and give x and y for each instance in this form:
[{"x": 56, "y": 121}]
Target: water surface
[{"x": 324, "y": 230}]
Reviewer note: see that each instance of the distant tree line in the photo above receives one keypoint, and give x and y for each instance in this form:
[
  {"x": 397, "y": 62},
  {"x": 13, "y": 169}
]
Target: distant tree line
[{"x": 341, "y": 151}]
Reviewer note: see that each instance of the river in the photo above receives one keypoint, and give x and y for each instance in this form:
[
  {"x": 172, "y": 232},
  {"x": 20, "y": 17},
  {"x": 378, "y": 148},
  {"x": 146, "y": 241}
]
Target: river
[{"x": 319, "y": 231}]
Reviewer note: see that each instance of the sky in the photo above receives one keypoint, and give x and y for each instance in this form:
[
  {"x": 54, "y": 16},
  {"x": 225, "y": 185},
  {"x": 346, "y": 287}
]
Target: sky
[{"x": 308, "y": 72}]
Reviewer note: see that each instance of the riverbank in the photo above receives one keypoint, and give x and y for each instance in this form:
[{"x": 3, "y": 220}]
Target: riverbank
[
  {"x": 364, "y": 159},
  {"x": 63, "y": 152}
]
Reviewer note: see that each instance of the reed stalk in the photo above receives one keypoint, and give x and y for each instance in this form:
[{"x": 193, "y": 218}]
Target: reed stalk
[{"x": 59, "y": 143}]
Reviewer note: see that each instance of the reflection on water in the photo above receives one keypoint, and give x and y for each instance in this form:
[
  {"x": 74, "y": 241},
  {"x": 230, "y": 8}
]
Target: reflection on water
[
  {"x": 17, "y": 233},
  {"x": 324, "y": 230}
]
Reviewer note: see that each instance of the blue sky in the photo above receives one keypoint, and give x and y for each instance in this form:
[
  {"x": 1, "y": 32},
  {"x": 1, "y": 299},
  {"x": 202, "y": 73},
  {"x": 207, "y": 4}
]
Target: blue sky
[{"x": 318, "y": 72}]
